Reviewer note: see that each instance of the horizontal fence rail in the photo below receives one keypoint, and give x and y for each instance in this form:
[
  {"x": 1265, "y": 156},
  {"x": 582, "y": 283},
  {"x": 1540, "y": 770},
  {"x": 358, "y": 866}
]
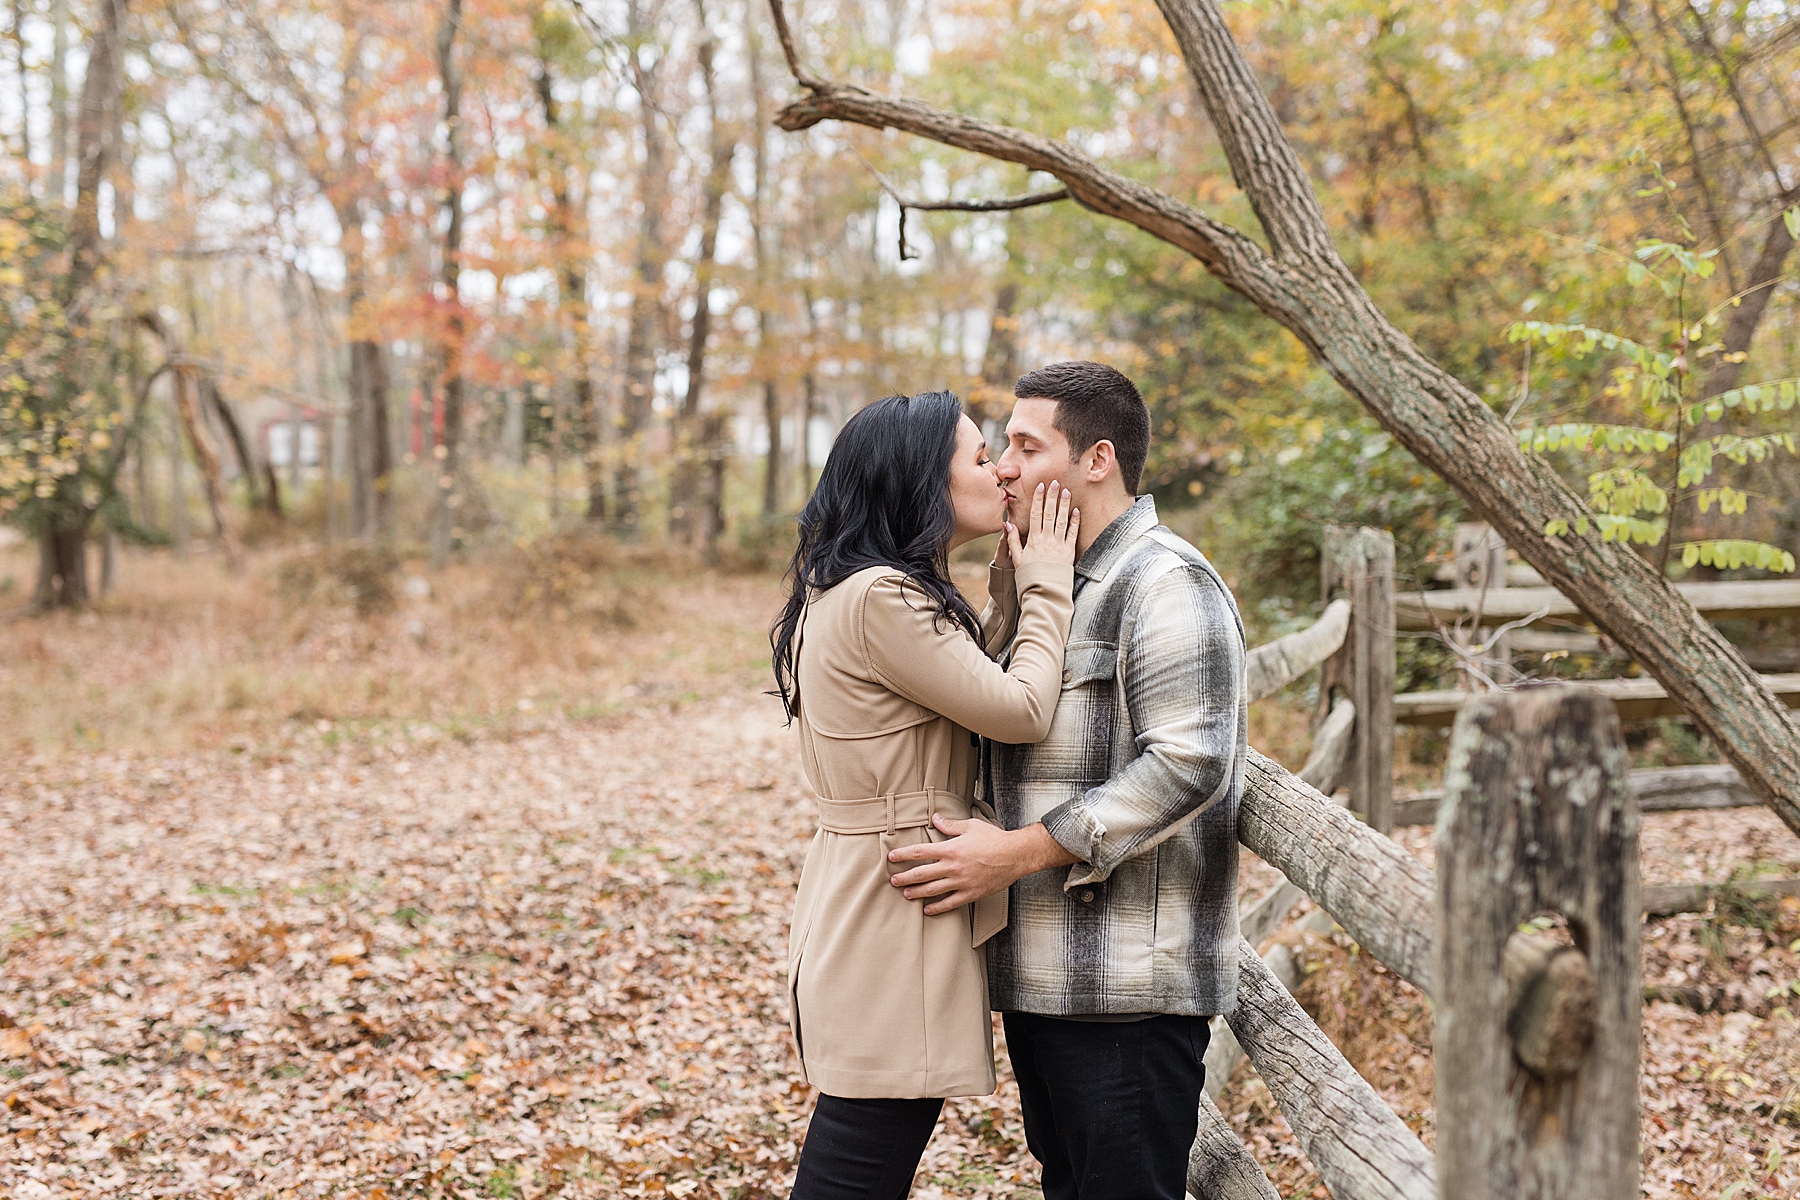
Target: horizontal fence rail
[
  {"x": 1748, "y": 600},
  {"x": 1633, "y": 699},
  {"x": 1658, "y": 789},
  {"x": 1268, "y": 669}
]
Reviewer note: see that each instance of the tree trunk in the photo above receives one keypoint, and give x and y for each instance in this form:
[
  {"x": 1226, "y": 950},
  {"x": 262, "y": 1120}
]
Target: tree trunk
[
  {"x": 646, "y": 294},
  {"x": 772, "y": 491},
  {"x": 371, "y": 507},
  {"x": 448, "y": 492},
  {"x": 1740, "y": 330},
  {"x": 1304, "y": 284},
  {"x": 178, "y": 496},
  {"x": 259, "y": 477},
  {"x": 99, "y": 96},
  {"x": 569, "y": 229},
  {"x": 24, "y": 76},
  {"x": 211, "y": 473},
  {"x": 693, "y": 515},
  {"x": 59, "y": 102},
  {"x": 62, "y": 569}
]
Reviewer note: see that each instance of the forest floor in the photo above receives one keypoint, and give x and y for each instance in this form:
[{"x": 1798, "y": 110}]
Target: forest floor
[{"x": 483, "y": 892}]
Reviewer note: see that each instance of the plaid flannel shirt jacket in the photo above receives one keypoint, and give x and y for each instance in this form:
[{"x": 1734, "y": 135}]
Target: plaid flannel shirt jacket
[{"x": 1140, "y": 778}]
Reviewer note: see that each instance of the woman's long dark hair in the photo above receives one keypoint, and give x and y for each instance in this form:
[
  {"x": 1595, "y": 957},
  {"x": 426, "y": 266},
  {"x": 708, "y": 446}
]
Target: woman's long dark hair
[{"x": 883, "y": 500}]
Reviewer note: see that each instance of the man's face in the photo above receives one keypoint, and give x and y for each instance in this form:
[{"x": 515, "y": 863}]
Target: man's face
[{"x": 1036, "y": 452}]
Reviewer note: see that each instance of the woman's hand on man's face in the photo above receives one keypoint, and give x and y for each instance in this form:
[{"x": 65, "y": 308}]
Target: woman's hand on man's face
[{"x": 1051, "y": 531}]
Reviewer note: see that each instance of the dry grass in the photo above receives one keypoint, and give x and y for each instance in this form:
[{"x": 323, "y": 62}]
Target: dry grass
[{"x": 188, "y": 657}]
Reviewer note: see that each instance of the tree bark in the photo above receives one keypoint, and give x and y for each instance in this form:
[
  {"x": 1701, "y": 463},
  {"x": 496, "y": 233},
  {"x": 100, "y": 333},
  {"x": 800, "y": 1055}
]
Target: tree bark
[
  {"x": 772, "y": 489},
  {"x": 1303, "y": 283},
  {"x": 59, "y": 101},
  {"x": 646, "y": 294},
  {"x": 62, "y": 569},
  {"x": 1740, "y": 330},
  {"x": 1537, "y": 1046},
  {"x": 691, "y": 515},
  {"x": 1271, "y": 667},
  {"x": 1361, "y": 1149},
  {"x": 1219, "y": 1166},
  {"x": 371, "y": 463},
  {"x": 1379, "y": 893},
  {"x": 447, "y": 492},
  {"x": 99, "y": 95},
  {"x": 569, "y": 231},
  {"x": 187, "y": 404}
]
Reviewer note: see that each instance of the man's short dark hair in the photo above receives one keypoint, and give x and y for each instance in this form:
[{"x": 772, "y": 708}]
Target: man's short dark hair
[{"x": 1094, "y": 402}]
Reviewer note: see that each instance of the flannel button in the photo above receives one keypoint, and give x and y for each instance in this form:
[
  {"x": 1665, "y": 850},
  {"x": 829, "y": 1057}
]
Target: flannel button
[
  {"x": 1087, "y": 895},
  {"x": 1068, "y": 674}
]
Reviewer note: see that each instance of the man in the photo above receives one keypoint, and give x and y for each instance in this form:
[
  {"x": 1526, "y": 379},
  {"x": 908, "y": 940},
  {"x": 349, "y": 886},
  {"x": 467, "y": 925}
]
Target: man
[{"x": 1111, "y": 967}]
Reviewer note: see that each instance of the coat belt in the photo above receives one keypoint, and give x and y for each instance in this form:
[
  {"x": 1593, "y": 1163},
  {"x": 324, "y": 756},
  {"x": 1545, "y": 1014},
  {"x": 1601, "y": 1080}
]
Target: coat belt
[
  {"x": 892, "y": 812},
  {"x": 912, "y": 810}
]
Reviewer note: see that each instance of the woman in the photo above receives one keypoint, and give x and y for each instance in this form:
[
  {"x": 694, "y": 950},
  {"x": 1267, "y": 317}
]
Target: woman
[{"x": 887, "y": 672}]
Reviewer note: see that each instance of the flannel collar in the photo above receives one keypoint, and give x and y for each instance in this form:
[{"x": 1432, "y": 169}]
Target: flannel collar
[{"x": 1113, "y": 541}]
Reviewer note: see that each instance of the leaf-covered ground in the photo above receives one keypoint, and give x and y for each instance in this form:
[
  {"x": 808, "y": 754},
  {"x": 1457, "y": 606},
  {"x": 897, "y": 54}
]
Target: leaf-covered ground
[{"x": 363, "y": 946}]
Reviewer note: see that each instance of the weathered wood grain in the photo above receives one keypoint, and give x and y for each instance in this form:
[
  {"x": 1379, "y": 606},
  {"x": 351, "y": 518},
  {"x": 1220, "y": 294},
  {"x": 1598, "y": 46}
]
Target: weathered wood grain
[
  {"x": 1360, "y": 563},
  {"x": 1220, "y": 1166},
  {"x": 1361, "y": 1149},
  {"x": 1537, "y": 1081},
  {"x": 1271, "y": 667},
  {"x": 1664, "y": 899},
  {"x": 1635, "y": 699},
  {"x": 1658, "y": 789},
  {"x": 1746, "y": 599},
  {"x": 1329, "y": 760},
  {"x": 1379, "y": 893}
]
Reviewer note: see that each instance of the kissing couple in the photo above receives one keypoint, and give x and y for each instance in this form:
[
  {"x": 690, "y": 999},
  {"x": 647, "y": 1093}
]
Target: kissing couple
[{"x": 1031, "y": 811}]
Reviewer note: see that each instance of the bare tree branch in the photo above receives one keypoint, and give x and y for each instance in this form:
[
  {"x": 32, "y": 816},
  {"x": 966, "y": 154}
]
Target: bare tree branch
[{"x": 1004, "y": 204}]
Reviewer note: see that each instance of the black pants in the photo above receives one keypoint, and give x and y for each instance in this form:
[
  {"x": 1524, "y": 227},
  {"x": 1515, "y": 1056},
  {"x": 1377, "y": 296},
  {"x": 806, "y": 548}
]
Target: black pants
[
  {"x": 863, "y": 1149},
  {"x": 1110, "y": 1109}
]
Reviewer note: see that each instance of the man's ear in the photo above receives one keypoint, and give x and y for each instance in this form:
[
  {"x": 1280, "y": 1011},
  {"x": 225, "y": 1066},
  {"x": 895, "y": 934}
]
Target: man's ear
[{"x": 1103, "y": 462}]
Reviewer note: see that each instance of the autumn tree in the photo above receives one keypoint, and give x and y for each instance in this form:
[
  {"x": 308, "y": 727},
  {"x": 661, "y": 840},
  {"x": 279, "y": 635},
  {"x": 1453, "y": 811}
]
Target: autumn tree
[{"x": 1302, "y": 281}]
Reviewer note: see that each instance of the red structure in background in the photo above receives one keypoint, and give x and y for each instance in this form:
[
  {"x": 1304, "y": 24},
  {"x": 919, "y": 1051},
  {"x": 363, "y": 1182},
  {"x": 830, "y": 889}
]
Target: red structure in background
[{"x": 415, "y": 404}]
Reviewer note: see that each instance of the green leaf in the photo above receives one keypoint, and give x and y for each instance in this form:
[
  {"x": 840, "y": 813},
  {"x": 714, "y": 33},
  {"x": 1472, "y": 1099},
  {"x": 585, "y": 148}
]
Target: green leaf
[
  {"x": 1732, "y": 554},
  {"x": 1792, "y": 218}
]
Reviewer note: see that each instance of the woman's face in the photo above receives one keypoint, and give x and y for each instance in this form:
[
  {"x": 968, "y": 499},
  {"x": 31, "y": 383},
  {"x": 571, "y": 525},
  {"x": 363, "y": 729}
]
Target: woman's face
[{"x": 975, "y": 490}]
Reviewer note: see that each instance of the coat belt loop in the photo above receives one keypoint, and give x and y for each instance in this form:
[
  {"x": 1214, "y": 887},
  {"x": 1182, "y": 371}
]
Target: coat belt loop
[
  {"x": 890, "y": 814},
  {"x": 930, "y": 803}
]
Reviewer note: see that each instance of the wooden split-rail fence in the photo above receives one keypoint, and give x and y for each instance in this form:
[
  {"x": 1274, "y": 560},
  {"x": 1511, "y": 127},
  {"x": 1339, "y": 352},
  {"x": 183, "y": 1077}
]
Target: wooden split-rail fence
[{"x": 1536, "y": 1042}]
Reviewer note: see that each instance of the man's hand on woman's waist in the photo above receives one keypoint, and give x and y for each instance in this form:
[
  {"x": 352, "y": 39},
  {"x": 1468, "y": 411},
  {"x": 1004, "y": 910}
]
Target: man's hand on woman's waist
[{"x": 978, "y": 860}]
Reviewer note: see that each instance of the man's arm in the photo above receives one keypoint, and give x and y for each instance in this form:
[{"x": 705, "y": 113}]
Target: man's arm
[{"x": 1184, "y": 682}]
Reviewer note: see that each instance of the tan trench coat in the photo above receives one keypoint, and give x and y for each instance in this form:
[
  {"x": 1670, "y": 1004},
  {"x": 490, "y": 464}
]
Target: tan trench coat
[{"x": 888, "y": 1002}]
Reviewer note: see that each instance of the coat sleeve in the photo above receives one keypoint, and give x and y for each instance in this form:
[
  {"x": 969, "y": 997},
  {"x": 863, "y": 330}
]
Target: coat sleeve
[
  {"x": 935, "y": 663},
  {"x": 1000, "y": 619},
  {"x": 1183, "y": 675}
]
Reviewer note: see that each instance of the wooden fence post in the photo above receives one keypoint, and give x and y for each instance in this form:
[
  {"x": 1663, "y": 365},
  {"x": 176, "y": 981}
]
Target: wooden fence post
[
  {"x": 1360, "y": 564},
  {"x": 1537, "y": 1062}
]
